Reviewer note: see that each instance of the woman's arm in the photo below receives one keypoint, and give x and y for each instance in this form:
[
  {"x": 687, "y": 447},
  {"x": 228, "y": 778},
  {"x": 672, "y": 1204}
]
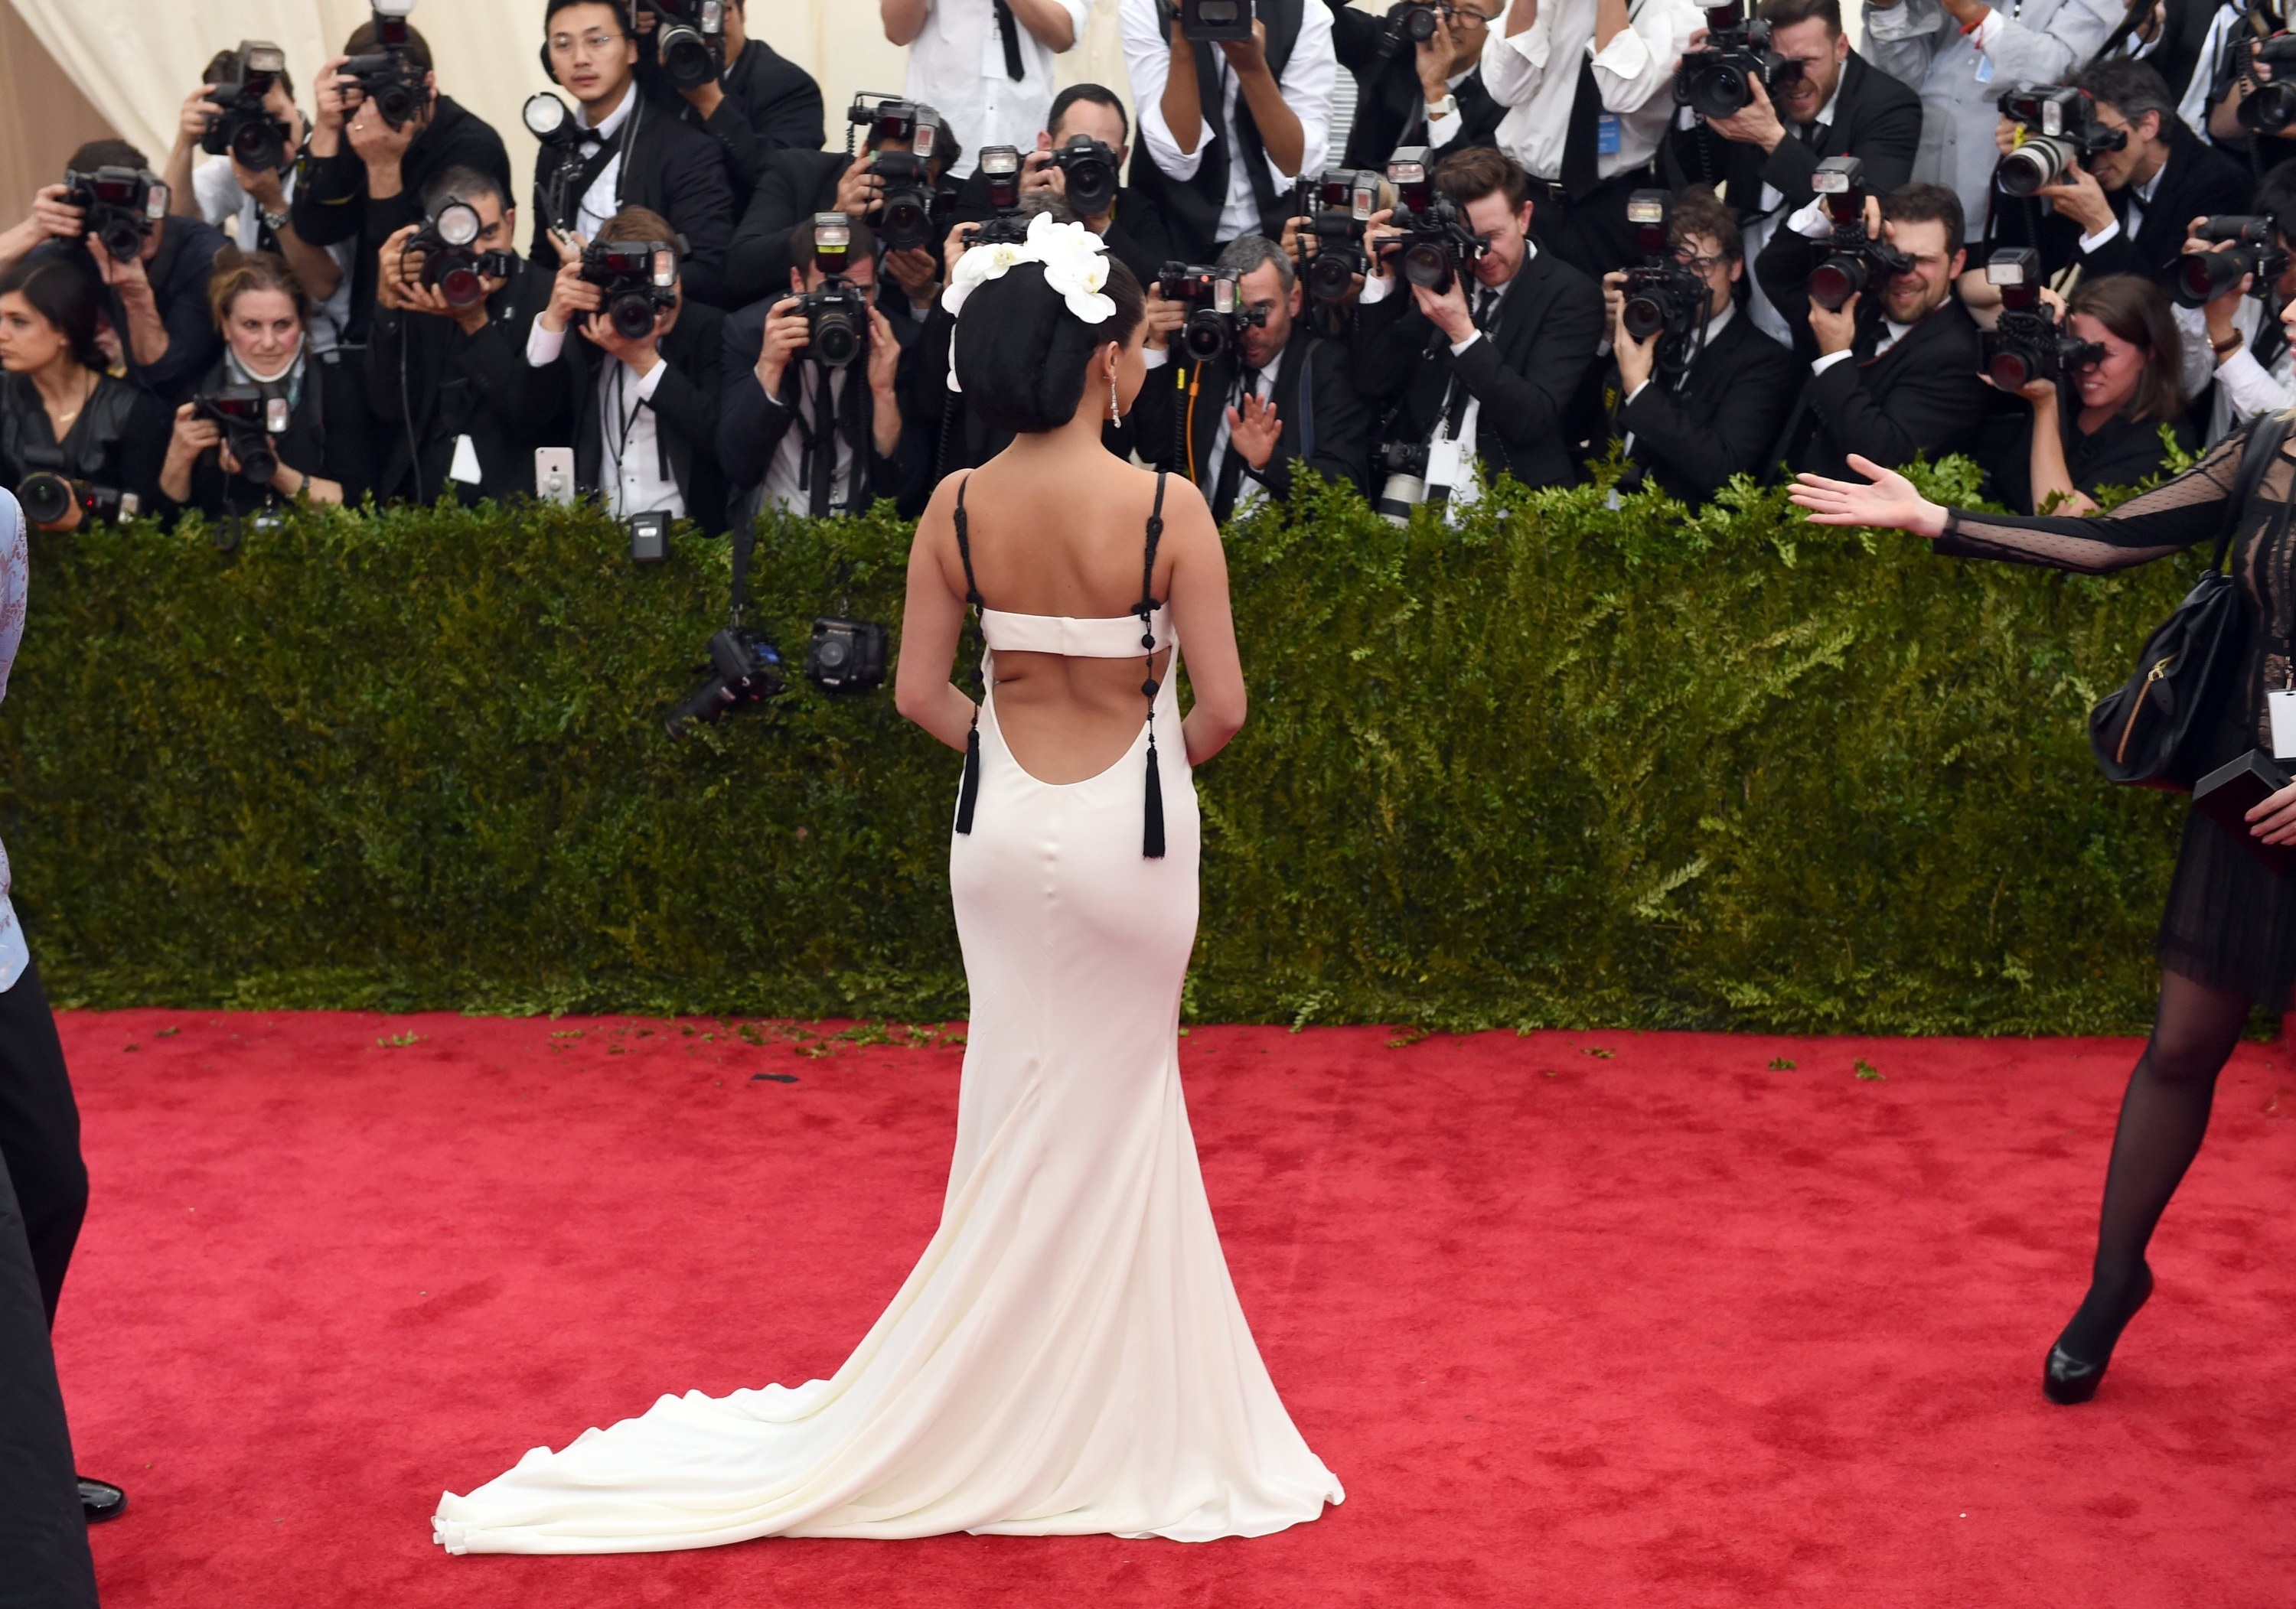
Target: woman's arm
[
  {"x": 2051, "y": 477},
  {"x": 1198, "y": 599},
  {"x": 930, "y": 623}
]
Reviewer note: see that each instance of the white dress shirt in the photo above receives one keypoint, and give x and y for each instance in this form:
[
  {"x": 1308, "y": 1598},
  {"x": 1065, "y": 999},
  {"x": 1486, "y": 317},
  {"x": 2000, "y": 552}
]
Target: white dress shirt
[
  {"x": 1443, "y": 127},
  {"x": 957, "y": 67},
  {"x": 1306, "y": 84},
  {"x": 631, "y": 472},
  {"x": 1755, "y": 236},
  {"x": 223, "y": 204},
  {"x": 2244, "y": 386},
  {"x": 1376, "y": 291},
  {"x": 784, "y": 485},
  {"x": 603, "y": 199},
  {"x": 2140, "y": 197},
  {"x": 15, "y": 581},
  {"x": 1814, "y": 222},
  {"x": 1535, "y": 75},
  {"x": 1248, "y": 489},
  {"x": 2229, "y": 27}
]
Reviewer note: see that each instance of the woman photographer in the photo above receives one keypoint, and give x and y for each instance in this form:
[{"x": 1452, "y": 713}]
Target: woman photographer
[
  {"x": 2101, "y": 425},
  {"x": 60, "y": 414},
  {"x": 326, "y": 451}
]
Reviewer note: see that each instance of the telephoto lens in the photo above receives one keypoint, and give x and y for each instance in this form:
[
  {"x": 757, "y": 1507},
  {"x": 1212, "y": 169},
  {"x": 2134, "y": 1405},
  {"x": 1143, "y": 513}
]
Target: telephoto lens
[
  {"x": 47, "y": 497},
  {"x": 2253, "y": 249},
  {"x": 1090, "y": 169}
]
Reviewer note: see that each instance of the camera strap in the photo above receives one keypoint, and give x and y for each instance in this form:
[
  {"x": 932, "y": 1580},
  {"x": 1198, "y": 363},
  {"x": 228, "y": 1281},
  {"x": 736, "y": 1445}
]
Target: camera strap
[{"x": 1008, "y": 30}]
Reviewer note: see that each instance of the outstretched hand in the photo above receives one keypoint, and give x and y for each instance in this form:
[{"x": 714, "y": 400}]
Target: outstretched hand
[{"x": 1889, "y": 500}]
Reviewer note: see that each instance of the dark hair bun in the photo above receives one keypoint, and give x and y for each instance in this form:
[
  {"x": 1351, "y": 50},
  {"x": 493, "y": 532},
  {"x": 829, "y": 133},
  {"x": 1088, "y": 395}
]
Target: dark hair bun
[{"x": 1021, "y": 353}]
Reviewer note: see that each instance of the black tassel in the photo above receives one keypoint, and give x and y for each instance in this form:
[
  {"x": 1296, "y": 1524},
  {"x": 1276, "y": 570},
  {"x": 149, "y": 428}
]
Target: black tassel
[
  {"x": 1152, "y": 841},
  {"x": 970, "y": 788}
]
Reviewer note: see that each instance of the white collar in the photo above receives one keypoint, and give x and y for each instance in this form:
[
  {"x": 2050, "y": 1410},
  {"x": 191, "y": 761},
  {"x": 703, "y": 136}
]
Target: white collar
[
  {"x": 1720, "y": 322},
  {"x": 614, "y": 119},
  {"x": 2146, "y": 191},
  {"x": 1897, "y": 330},
  {"x": 1825, "y": 112}
]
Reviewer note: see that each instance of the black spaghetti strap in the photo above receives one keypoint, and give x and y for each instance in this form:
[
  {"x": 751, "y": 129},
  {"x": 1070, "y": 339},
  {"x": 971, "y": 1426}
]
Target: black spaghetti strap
[
  {"x": 1152, "y": 837},
  {"x": 968, "y": 791}
]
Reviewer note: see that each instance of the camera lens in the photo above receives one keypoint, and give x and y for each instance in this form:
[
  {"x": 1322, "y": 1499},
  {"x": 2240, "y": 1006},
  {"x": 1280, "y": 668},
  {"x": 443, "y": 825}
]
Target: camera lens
[
  {"x": 2205, "y": 275},
  {"x": 835, "y": 341},
  {"x": 1720, "y": 91},
  {"x": 1204, "y": 336},
  {"x": 1427, "y": 266},
  {"x": 461, "y": 286},
  {"x": 2011, "y": 371},
  {"x": 2041, "y": 159},
  {"x": 257, "y": 461},
  {"x": 396, "y": 104},
  {"x": 1331, "y": 275},
  {"x": 1419, "y": 24},
  {"x": 631, "y": 312},
  {"x": 1835, "y": 281},
  {"x": 256, "y": 145},
  {"x": 1643, "y": 317},
  {"x": 1091, "y": 185},
  {"x": 122, "y": 238},
  {"x": 46, "y": 498},
  {"x": 685, "y": 58},
  {"x": 904, "y": 223}
]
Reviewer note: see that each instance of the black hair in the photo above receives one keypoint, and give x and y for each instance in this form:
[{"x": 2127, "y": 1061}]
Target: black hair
[
  {"x": 468, "y": 183},
  {"x": 2132, "y": 88},
  {"x": 1020, "y": 352},
  {"x": 106, "y": 153},
  {"x": 365, "y": 40},
  {"x": 64, "y": 296},
  {"x": 1098, "y": 96},
  {"x": 621, "y": 13}
]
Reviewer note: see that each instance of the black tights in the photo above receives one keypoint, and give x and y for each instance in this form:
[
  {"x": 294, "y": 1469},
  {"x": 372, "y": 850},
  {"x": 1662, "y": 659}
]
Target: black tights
[{"x": 2162, "y": 1118}]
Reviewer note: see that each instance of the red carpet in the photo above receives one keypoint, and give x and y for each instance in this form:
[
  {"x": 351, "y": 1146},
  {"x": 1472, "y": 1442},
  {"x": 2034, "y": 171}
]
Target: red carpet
[{"x": 1578, "y": 1319}]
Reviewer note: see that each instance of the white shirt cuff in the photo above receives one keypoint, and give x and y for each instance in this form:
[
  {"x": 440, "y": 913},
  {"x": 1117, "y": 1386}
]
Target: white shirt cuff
[
  {"x": 543, "y": 346},
  {"x": 1627, "y": 54},
  {"x": 1827, "y": 362},
  {"x": 1637, "y": 391},
  {"x": 1473, "y": 337},
  {"x": 1155, "y": 357},
  {"x": 1988, "y": 31},
  {"x": 651, "y": 381},
  {"x": 1813, "y": 221},
  {"x": 2090, "y": 242},
  {"x": 1531, "y": 43},
  {"x": 1165, "y": 151},
  {"x": 1376, "y": 288}
]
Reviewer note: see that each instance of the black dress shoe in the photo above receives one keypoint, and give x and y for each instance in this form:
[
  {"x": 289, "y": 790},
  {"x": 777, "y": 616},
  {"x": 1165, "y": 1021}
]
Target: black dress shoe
[
  {"x": 101, "y": 1500},
  {"x": 2067, "y": 1379}
]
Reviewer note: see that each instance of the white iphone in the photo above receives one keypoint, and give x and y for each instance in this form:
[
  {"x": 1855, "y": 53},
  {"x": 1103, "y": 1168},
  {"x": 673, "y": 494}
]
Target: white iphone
[{"x": 554, "y": 475}]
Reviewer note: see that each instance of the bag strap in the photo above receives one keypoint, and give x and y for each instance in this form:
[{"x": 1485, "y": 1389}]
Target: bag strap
[{"x": 2265, "y": 435}]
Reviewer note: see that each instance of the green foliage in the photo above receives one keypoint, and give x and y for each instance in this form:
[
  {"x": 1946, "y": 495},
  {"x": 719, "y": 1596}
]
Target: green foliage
[{"x": 1562, "y": 765}]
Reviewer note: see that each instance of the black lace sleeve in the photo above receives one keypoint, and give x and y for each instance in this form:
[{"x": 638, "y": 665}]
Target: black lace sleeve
[{"x": 2167, "y": 519}]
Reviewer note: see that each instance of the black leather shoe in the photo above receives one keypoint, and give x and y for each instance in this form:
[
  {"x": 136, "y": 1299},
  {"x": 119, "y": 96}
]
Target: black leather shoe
[
  {"x": 2067, "y": 1379},
  {"x": 101, "y": 1500}
]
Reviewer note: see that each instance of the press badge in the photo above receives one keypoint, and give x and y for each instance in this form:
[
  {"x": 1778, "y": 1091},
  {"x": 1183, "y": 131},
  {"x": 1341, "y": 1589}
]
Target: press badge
[
  {"x": 2282, "y": 706},
  {"x": 1984, "y": 68},
  {"x": 1606, "y": 134},
  {"x": 466, "y": 465},
  {"x": 1446, "y": 466}
]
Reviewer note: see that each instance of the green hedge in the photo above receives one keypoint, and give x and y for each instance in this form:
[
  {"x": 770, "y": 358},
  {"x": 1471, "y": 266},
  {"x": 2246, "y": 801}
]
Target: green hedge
[{"x": 1565, "y": 766}]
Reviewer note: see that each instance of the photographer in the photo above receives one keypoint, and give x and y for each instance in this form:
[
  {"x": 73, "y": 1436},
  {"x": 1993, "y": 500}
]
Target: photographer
[
  {"x": 1895, "y": 369},
  {"x": 326, "y": 449},
  {"x": 1961, "y": 54},
  {"x": 2099, "y": 425},
  {"x": 797, "y": 185},
  {"x": 1430, "y": 93},
  {"x": 1226, "y": 128},
  {"x": 61, "y": 416},
  {"x": 1495, "y": 378},
  {"x": 760, "y": 101},
  {"x": 2236, "y": 339},
  {"x": 362, "y": 175},
  {"x": 1589, "y": 86},
  {"x": 249, "y": 204},
  {"x": 622, "y": 151},
  {"x": 2232, "y": 67},
  {"x": 642, "y": 409},
  {"x": 1701, "y": 402},
  {"x": 447, "y": 380},
  {"x": 1089, "y": 120},
  {"x": 987, "y": 63},
  {"x": 155, "y": 299},
  {"x": 808, "y": 435},
  {"x": 1275, "y": 395}
]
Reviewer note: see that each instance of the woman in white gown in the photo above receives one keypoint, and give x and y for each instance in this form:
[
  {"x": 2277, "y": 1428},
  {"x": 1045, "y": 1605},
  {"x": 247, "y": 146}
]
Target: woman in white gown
[{"x": 1067, "y": 1355}]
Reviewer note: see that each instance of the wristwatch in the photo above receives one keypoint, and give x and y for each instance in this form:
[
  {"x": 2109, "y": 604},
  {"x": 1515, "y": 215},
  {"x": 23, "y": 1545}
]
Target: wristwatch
[
  {"x": 274, "y": 221},
  {"x": 2225, "y": 347},
  {"x": 1447, "y": 106}
]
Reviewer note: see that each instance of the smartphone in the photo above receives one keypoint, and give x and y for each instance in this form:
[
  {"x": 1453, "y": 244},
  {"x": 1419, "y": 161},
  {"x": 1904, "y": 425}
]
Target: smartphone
[{"x": 554, "y": 475}]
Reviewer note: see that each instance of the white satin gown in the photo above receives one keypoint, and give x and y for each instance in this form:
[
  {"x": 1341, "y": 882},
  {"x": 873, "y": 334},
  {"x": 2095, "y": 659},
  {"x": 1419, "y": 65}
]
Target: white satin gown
[{"x": 1069, "y": 1355}]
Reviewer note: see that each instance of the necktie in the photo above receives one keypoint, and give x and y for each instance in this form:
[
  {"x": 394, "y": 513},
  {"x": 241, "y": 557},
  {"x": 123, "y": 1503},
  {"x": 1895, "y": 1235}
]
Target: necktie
[
  {"x": 1582, "y": 170},
  {"x": 1008, "y": 29},
  {"x": 823, "y": 445}
]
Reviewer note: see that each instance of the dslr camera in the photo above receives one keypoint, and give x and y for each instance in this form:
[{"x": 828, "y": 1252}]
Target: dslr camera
[
  {"x": 2202, "y": 276},
  {"x": 118, "y": 205},
  {"x": 836, "y": 315},
  {"x": 744, "y": 670},
  {"x": 250, "y": 420},
  {"x": 1089, "y": 168},
  {"x": 1664, "y": 298},
  {"x": 1436, "y": 246},
  {"x": 1856, "y": 259},
  {"x": 2028, "y": 343},
  {"x": 451, "y": 264},
  {"x": 390, "y": 76},
  {"x": 846, "y": 656},
  {"x": 1339, "y": 202},
  {"x": 48, "y": 496},
  {"x": 1718, "y": 81},
  {"x": 903, "y": 136},
  {"x": 636, "y": 280},
  {"x": 689, "y": 39},
  {"x": 1402, "y": 466},
  {"x": 245, "y": 132},
  {"x": 1218, "y": 20},
  {"x": 1215, "y": 311},
  {"x": 2270, "y": 108},
  {"x": 2059, "y": 130},
  {"x": 1410, "y": 26},
  {"x": 1000, "y": 170}
]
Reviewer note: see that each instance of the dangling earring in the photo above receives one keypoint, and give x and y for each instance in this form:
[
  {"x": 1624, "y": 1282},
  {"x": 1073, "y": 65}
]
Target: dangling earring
[{"x": 1115, "y": 408}]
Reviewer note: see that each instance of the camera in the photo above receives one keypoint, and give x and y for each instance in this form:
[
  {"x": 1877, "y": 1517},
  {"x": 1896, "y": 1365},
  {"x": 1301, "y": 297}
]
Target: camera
[
  {"x": 1215, "y": 313},
  {"x": 390, "y": 76},
  {"x": 638, "y": 280},
  {"x": 1339, "y": 203},
  {"x": 245, "y": 131},
  {"x": 450, "y": 265},
  {"x": 120, "y": 206},
  {"x": 903, "y": 136},
  {"x": 2060, "y": 130},
  {"x": 1664, "y": 298},
  {"x": 1215, "y": 19},
  {"x": 2027, "y": 343},
  {"x": 1403, "y": 464},
  {"x": 1091, "y": 170},
  {"x": 1718, "y": 81},
  {"x": 2202, "y": 276},
  {"x": 250, "y": 419},
  {"x": 846, "y": 656},
  {"x": 1856, "y": 259},
  {"x": 1000, "y": 170},
  {"x": 48, "y": 496},
  {"x": 1413, "y": 24},
  {"x": 2270, "y": 108},
  {"x": 688, "y": 40},
  {"x": 836, "y": 315},
  {"x": 744, "y": 668},
  {"x": 1436, "y": 246}
]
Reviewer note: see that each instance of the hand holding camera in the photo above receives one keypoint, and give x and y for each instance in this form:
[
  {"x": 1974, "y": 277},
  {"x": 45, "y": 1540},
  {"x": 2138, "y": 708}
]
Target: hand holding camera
[
  {"x": 2029, "y": 350},
  {"x": 2226, "y": 258},
  {"x": 858, "y": 188},
  {"x": 1756, "y": 123},
  {"x": 573, "y": 297},
  {"x": 787, "y": 332}
]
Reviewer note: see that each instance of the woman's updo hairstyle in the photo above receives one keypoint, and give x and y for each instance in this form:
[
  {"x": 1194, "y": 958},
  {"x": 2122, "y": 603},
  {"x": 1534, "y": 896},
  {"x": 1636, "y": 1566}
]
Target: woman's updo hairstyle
[
  {"x": 1020, "y": 352},
  {"x": 66, "y": 297}
]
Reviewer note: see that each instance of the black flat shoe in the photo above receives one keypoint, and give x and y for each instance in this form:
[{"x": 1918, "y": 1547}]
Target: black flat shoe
[
  {"x": 2067, "y": 1379},
  {"x": 101, "y": 1500}
]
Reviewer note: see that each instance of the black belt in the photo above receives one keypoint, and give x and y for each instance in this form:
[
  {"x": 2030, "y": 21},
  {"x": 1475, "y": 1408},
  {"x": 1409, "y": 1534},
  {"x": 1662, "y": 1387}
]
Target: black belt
[{"x": 1550, "y": 192}]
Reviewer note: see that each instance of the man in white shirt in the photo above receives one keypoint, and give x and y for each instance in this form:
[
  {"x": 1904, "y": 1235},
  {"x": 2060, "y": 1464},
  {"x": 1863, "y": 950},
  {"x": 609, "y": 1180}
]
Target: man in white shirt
[
  {"x": 2237, "y": 340},
  {"x": 1590, "y": 89},
  {"x": 1225, "y": 129},
  {"x": 986, "y": 64}
]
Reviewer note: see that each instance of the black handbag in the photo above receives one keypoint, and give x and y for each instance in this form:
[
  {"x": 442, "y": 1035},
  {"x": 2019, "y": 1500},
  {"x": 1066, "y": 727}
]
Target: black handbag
[{"x": 2154, "y": 730}]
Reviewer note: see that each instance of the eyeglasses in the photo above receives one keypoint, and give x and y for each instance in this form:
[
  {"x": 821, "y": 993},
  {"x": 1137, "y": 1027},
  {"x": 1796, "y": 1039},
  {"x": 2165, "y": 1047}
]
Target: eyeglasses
[
  {"x": 562, "y": 45},
  {"x": 1465, "y": 17},
  {"x": 1703, "y": 265}
]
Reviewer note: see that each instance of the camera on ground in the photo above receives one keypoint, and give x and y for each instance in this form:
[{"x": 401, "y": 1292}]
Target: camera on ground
[
  {"x": 245, "y": 131},
  {"x": 688, "y": 40},
  {"x": 389, "y": 77},
  {"x": 2202, "y": 276},
  {"x": 250, "y": 419},
  {"x": 1855, "y": 259},
  {"x": 1436, "y": 246},
  {"x": 2058, "y": 131},
  {"x": 120, "y": 206},
  {"x": 903, "y": 136},
  {"x": 2027, "y": 343},
  {"x": 1000, "y": 170},
  {"x": 744, "y": 671},
  {"x": 846, "y": 656},
  {"x": 452, "y": 263},
  {"x": 638, "y": 280},
  {"x": 1214, "y": 21},
  {"x": 1663, "y": 297},
  {"x": 836, "y": 315},
  {"x": 47, "y": 497},
  {"x": 1338, "y": 203},
  {"x": 1216, "y": 309},
  {"x": 1717, "y": 80},
  {"x": 1091, "y": 172}
]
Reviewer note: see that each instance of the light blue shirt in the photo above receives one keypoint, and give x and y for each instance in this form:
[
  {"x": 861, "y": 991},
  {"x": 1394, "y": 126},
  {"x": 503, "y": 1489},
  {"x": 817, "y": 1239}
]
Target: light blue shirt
[{"x": 15, "y": 579}]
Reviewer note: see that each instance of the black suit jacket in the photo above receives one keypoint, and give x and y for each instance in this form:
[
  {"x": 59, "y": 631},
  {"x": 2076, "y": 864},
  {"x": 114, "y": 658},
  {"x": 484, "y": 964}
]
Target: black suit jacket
[
  {"x": 2197, "y": 181},
  {"x": 1922, "y": 397},
  {"x": 1391, "y": 108},
  {"x": 675, "y": 169},
  {"x": 771, "y": 105},
  {"x": 751, "y": 425},
  {"x": 684, "y": 406},
  {"x": 428, "y": 383},
  {"x": 1323, "y": 421},
  {"x": 1720, "y": 420},
  {"x": 792, "y": 185},
  {"x": 1876, "y": 120},
  {"x": 1527, "y": 375}
]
